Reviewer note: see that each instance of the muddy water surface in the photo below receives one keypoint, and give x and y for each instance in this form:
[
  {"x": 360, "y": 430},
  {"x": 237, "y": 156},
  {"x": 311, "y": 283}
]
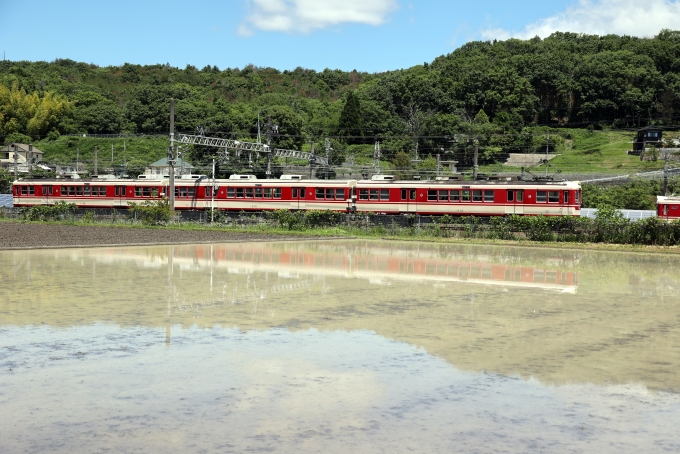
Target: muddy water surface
[{"x": 337, "y": 347}]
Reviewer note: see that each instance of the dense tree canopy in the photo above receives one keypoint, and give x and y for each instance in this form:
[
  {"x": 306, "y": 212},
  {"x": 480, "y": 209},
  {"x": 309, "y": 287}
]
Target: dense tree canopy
[{"x": 565, "y": 79}]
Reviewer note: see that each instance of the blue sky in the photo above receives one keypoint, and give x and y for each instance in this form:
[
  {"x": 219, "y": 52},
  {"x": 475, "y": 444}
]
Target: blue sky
[{"x": 367, "y": 35}]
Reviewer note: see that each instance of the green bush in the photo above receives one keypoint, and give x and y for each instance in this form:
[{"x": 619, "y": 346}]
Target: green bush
[
  {"x": 152, "y": 212},
  {"x": 60, "y": 210}
]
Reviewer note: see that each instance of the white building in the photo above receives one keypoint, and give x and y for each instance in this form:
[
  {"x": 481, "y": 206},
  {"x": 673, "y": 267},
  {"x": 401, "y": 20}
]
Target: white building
[{"x": 27, "y": 155}]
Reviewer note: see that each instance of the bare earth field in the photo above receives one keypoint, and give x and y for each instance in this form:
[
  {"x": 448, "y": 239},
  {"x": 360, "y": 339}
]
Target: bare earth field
[{"x": 15, "y": 235}]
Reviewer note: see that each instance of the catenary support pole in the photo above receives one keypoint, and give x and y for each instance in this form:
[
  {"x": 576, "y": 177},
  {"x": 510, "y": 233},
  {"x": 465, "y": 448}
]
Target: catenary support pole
[
  {"x": 212, "y": 195},
  {"x": 96, "y": 153},
  {"x": 171, "y": 156},
  {"x": 475, "y": 169},
  {"x": 16, "y": 162}
]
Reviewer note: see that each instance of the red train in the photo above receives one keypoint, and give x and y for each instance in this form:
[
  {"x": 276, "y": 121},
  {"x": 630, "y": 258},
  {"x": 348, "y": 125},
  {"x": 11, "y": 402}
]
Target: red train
[
  {"x": 379, "y": 195},
  {"x": 668, "y": 207}
]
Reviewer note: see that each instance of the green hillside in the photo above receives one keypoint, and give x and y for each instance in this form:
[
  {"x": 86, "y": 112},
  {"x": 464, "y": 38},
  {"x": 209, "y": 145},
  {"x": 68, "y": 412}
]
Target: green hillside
[{"x": 508, "y": 95}]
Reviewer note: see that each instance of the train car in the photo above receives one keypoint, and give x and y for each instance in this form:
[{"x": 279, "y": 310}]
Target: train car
[
  {"x": 192, "y": 192},
  {"x": 466, "y": 198},
  {"x": 91, "y": 193},
  {"x": 668, "y": 207},
  {"x": 245, "y": 193},
  {"x": 379, "y": 195}
]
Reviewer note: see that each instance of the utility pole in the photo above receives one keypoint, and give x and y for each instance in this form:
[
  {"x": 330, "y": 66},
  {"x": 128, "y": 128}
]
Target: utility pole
[
  {"x": 29, "y": 161},
  {"x": 312, "y": 161},
  {"x": 376, "y": 157},
  {"x": 665, "y": 174},
  {"x": 111, "y": 155},
  {"x": 96, "y": 155},
  {"x": 475, "y": 158},
  {"x": 547, "y": 146},
  {"x": 269, "y": 142},
  {"x": 327, "y": 143},
  {"x": 171, "y": 156},
  {"x": 438, "y": 165},
  {"x": 212, "y": 195},
  {"x": 124, "y": 157},
  {"x": 77, "y": 159},
  {"x": 16, "y": 162}
]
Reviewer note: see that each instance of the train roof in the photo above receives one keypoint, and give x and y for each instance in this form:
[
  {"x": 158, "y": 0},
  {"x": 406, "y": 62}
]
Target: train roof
[{"x": 304, "y": 182}]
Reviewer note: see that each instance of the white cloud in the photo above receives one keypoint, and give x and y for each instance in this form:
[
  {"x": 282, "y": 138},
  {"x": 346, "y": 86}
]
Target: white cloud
[
  {"x": 622, "y": 17},
  {"x": 303, "y": 16}
]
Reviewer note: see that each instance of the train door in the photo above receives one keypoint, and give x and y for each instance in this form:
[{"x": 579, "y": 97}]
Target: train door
[
  {"x": 408, "y": 201},
  {"x": 515, "y": 201},
  {"x": 564, "y": 203},
  {"x": 119, "y": 199},
  {"x": 298, "y": 199}
]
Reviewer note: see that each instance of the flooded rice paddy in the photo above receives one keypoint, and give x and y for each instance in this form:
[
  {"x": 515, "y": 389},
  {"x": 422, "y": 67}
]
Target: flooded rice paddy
[{"x": 339, "y": 346}]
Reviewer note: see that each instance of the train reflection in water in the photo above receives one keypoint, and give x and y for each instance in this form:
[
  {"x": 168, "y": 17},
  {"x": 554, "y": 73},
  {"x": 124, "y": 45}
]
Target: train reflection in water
[{"x": 378, "y": 264}]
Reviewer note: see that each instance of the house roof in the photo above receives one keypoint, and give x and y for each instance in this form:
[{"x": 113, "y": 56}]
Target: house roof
[
  {"x": 164, "y": 163},
  {"x": 20, "y": 147},
  {"x": 651, "y": 128}
]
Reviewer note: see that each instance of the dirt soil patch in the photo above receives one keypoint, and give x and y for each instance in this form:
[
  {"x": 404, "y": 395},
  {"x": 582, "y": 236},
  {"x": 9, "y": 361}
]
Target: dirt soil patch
[{"x": 15, "y": 235}]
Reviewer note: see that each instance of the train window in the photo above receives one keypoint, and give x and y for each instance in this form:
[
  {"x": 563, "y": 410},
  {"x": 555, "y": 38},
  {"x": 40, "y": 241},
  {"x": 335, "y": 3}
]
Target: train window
[
  {"x": 208, "y": 192},
  {"x": 553, "y": 196},
  {"x": 86, "y": 191},
  {"x": 476, "y": 196},
  {"x": 319, "y": 193},
  {"x": 330, "y": 194},
  {"x": 47, "y": 190},
  {"x": 384, "y": 194},
  {"x": 374, "y": 194},
  {"x": 24, "y": 190},
  {"x": 412, "y": 194},
  {"x": 404, "y": 194},
  {"x": 465, "y": 195},
  {"x": 488, "y": 196},
  {"x": 63, "y": 190},
  {"x": 239, "y": 193},
  {"x": 339, "y": 194},
  {"x": 120, "y": 191},
  {"x": 431, "y": 195},
  {"x": 577, "y": 196},
  {"x": 454, "y": 196},
  {"x": 511, "y": 196},
  {"x": 363, "y": 194},
  {"x": 566, "y": 196},
  {"x": 71, "y": 190},
  {"x": 520, "y": 195},
  {"x": 541, "y": 196},
  {"x": 258, "y": 193},
  {"x": 267, "y": 193},
  {"x": 102, "y": 191},
  {"x": 295, "y": 193},
  {"x": 138, "y": 192},
  {"x": 249, "y": 193},
  {"x": 665, "y": 210},
  {"x": 443, "y": 196},
  {"x": 146, "y": 192},
  {"x": 230, "y": 193},
  {"x": 277, "y": 193}
]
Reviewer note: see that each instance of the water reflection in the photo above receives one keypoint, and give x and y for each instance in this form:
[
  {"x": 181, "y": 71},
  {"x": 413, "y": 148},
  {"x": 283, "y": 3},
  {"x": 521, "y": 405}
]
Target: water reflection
[{"x": 319, "y": 345}]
